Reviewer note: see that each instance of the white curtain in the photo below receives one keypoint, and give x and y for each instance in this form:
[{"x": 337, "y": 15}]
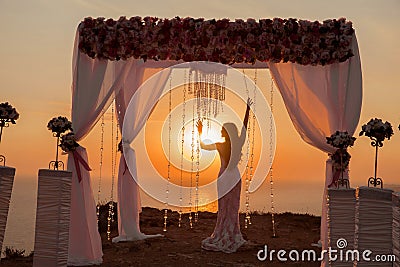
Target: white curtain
[
  {"x": 95, "y": 85},
  {"x": 321, "y": 100},
  {"x": 143, "y": 101},
  {"x": 95, "y": 82},
  {"x": 84, "y": 239},
  {"x": 129, "y": 205}
]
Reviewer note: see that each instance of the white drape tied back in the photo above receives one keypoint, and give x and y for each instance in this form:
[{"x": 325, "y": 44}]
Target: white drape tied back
[
  {"x": 130, "y": 155},
  {"x": 321, "y": 100},
  {"x": 140, "y": 103}
]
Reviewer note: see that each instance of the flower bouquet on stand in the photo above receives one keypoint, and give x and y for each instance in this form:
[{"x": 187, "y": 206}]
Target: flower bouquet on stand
[
  {"x": 7, "y": 114},
  {"x": 340, "y": 158},
  {"x": 58, "y": 126},
  {"x": 377, "y": 131}
]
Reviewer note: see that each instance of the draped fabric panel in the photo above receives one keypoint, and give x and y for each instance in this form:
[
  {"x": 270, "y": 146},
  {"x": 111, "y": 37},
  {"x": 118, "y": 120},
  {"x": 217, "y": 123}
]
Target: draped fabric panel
[
  {"x": 6, "y": 185},
  {"x": 396, "y": 227},
  {"x": 321, "y": 100},
  {"x": 95, "y": 84},
  {"x": 341, "y": 220},
  {"x": 128, "y": 190},
  {"x": 84, "y": 239},
  {"x": 128, "y": 202},
  {"x": 374, "y": 222},
  {"x": 52, "y": 218}
]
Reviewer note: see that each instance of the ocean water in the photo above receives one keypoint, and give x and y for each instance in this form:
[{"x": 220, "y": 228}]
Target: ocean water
[
  {"x": 20, "y": 229},
  {"x": 288, "y": 197}
]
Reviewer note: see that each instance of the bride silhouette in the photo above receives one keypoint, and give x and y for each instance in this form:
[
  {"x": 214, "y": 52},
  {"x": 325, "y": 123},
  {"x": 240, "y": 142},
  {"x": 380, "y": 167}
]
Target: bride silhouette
[{"x": 227, "y": 236}]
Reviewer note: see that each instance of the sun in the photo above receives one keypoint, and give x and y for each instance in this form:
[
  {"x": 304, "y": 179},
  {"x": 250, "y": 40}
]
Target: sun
[{"x": 211, "y": 134}]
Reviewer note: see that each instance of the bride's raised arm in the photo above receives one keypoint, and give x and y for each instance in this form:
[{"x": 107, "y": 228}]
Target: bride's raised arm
[{"x": 242, "y": 136}]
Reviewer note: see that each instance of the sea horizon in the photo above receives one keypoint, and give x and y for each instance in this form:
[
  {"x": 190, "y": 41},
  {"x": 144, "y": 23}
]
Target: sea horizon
[{"x": 20, "y": 229}]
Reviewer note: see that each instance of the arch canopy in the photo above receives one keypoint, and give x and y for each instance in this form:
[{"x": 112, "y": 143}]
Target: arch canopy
[{"x": 315, "y": 65}]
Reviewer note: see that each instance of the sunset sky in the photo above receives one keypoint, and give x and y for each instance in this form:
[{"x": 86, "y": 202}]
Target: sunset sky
[{"x": 35, "y": 77}]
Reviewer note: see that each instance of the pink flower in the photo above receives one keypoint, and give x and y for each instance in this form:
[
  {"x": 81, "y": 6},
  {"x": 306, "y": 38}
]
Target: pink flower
[{"x": 300, "y": 41}]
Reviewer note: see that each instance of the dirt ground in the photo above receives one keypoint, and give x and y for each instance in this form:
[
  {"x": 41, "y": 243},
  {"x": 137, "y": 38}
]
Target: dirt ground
[{"x": 181, "y": 246}]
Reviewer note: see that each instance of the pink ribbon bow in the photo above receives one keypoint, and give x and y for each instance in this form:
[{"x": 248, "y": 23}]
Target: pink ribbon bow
[{"x": 79, "y": 160}]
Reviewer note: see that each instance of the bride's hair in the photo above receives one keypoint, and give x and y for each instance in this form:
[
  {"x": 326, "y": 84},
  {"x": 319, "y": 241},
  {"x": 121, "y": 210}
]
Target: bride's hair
[
  {"x": 236, "y": 147},
  {"x": 231, "y": 130}
]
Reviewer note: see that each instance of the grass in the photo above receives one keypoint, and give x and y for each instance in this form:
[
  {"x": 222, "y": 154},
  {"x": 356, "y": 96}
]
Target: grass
[{"x": 11, "y": 253}]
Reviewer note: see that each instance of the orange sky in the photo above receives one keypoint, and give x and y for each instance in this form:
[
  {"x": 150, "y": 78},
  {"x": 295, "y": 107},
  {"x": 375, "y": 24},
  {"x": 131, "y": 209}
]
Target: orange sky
[{"x": 37, "y": 38}]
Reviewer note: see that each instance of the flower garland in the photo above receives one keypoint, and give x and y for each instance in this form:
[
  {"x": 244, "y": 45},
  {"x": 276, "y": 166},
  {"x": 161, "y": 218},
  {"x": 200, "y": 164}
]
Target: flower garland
[
  {"x": 224, "y": 41},
  {"x": 8, "y": 113},
  {"x": 377, "y": 130},
  {"x": 68, "y": 142},
  {"x": 59, "y": 125}
]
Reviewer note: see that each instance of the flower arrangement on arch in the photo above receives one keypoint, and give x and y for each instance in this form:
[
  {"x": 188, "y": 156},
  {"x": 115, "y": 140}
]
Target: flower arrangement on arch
[
  {"x": 340, "y": 158},
  {"x": 68, "y": 142},
  {"x": 228, "y": 42}
]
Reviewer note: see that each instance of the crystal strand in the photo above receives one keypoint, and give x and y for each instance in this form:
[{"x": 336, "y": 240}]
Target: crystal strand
[
  {"x": 100, "y": 169},
  {"x": 111, "y": 203},
  {"x": 223, "y": 92},
  {"x": 247, "y": 158},
  {"x": 169, "y": 154},
  {"x": 115, "y": 165},
  {"x": 192, "y": 158},
  {"x": 271, "y": 160},
  {"x": 247, "y": 174},
  {"x": 196, "y": 215},
  {"x": 252, "y": 146},
  {"x": 192, "y": 170},
  {"x": 182, "y": 147}
]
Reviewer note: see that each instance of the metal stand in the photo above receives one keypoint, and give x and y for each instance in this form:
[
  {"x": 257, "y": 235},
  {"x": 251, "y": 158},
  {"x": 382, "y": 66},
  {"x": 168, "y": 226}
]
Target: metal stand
[{"x": 376, "y": 181}]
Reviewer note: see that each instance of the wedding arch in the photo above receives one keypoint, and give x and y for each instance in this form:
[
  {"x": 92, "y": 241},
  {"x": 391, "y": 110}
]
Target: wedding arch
[{"x": 315, "y": 65}]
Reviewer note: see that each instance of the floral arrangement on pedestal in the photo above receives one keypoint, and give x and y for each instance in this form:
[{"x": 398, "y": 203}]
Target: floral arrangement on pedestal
[
  {"x": 377, "y": 131},
  {"x": 8, "y": 114},
  {"x": 340, "y": 158},
  {"x": 58, "y": 126}
]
